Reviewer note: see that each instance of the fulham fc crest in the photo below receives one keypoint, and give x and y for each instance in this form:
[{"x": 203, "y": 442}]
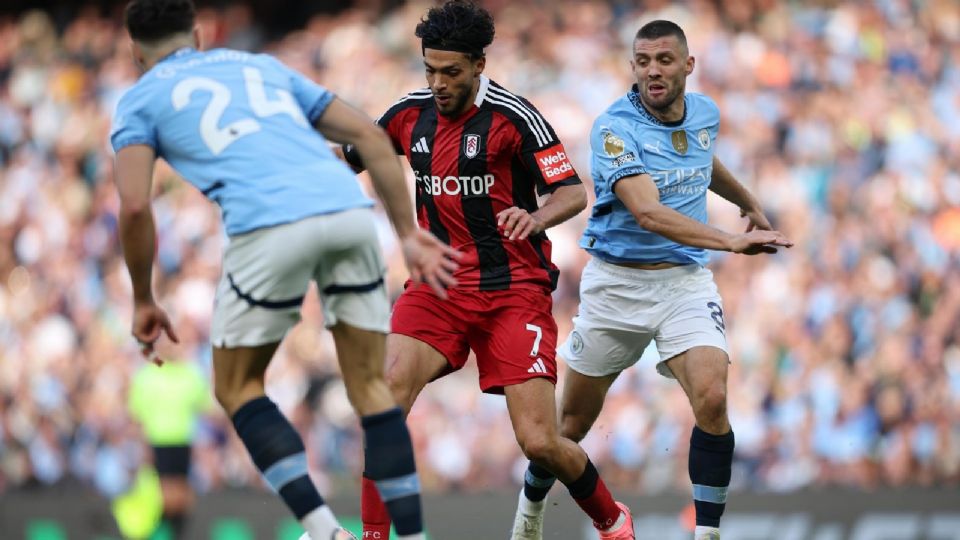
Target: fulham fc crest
[{"x": 471, "y": 145}]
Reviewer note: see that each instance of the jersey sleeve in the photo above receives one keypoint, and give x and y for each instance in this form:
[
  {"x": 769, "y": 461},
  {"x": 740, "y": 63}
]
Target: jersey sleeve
[
  {"x": 541, "y": 151},
  {"x": 132, "y": 123},
  {"x": 312, "y": 97},
  {"x": 614, "y": 153}
]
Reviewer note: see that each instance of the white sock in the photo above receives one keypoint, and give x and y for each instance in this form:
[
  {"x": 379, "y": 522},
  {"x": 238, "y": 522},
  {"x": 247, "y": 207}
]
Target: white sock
[
  {"x": 702, "y": 530},
  {"x": 530, "y": 508},
  {"x": 320, "y": 523},
  {"x": 618, "y": 523}
]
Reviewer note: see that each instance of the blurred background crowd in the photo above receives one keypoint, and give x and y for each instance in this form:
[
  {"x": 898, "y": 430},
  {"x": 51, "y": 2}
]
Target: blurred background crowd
[{"x": 843, "y": 117}]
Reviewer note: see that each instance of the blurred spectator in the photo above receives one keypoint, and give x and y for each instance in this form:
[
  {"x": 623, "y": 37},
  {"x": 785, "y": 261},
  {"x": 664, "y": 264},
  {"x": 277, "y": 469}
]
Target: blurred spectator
[{"x": 845, "y": 349}]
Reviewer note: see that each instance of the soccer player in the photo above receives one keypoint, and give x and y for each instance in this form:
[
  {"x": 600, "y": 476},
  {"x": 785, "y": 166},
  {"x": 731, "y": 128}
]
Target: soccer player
[
  {"x": 480, "y": 155},
  {"x": 243, "y": 128},
  {"x": 167, "y": 401},
  {"x": 653, "y": 161}
]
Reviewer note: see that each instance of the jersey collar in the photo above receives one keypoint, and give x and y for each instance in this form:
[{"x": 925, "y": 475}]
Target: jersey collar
[
  {"x": 634, "y": 95},
  {"x": 182, "y": 51},
  {"x": 482, "y": 91}
]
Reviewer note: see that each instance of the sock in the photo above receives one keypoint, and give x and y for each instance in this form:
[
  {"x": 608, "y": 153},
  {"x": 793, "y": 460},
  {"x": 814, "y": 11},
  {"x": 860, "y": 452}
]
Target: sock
[
  {"x": 592, "y": 495},
  {"x": 700, "y": 530},
  {"x": 709, "y": 465},
  {"x": 373, "y": 513},
  {"x": 277, "y": 450},
  {"x": 388, "y": 459},
  {"x": 537, "y": 482}
]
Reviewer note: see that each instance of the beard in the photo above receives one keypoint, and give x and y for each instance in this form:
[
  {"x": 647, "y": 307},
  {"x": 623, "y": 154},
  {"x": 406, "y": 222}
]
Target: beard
[{"x": 455, "y": 106}]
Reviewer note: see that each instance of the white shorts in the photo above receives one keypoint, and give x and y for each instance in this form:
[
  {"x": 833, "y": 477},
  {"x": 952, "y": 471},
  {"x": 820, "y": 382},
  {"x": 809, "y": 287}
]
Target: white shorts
[
  {"x": 266, "y": 274},
  {"x": 622, "y": 309}
]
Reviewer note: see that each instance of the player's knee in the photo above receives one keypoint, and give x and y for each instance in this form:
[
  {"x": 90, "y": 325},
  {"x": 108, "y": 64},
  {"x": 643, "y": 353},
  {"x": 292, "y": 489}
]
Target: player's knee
[
  {"x": 537, "y": 447},
  {"x": 402, "y": 387},
  {"x": 712, "y": 404}
]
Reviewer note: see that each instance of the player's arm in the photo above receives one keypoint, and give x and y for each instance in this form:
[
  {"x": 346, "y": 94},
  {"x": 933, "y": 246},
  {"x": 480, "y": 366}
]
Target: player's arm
[
  {"x": 344, "y": 124},
  {"x": 547, "y": 163},
  {"x": 723, "y": 183},
  {"x": 137, "y": 229},
  {"x": 562, "y": 204},
  {"x": 640, "y": 195},
  {"x": 134, "y": 177}
]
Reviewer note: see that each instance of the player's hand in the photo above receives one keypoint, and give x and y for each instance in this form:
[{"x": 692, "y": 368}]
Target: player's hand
[
  {"x": 757, "y": 241},
  {"x": 757, "y": 219},
  {"x": 518, "y": 224},
  {"x": 430, "y": 261},
  {"x": 149, "y": 323}
]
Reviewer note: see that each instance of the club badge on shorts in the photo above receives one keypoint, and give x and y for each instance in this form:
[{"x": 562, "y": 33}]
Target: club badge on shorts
[
  {"x": 471, "y": 145},
  {"x": 576, "y": 342},
  {"x": 679, "y": 139}
]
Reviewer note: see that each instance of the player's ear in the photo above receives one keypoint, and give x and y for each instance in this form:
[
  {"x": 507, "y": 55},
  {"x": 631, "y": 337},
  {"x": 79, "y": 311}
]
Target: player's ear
[
  {"x": 480, "y": 64},
  {"x": 197, "y": 37},
  {"x": 690, "y": 63},
  {"x": 136, "y": 51}
]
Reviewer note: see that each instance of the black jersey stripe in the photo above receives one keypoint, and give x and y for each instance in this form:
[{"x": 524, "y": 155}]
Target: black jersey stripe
[
  {"x": 422, "y": 162},
  {"x": 526, "y": 200},
  {"x": 478, "y": 211}
]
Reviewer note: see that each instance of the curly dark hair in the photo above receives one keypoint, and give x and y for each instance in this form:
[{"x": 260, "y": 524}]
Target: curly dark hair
[
  {"x": 457, "y": 25},
  {"x": 154, "y": 20}
]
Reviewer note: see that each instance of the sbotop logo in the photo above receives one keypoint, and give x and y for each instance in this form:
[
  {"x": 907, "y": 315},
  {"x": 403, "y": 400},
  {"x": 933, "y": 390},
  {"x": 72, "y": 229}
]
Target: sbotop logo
[{"x": 456, "y": 185}]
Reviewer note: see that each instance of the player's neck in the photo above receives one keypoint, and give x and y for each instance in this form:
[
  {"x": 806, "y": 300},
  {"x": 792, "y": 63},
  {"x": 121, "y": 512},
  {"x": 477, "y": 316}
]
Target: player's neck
[
  {"x": 671, "y": 114},
  {"x": 157, "y": 51}
]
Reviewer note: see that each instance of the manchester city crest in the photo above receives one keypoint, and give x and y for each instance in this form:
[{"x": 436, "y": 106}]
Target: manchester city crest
[
  {"x": 679, "y": 140},
  {"x": 471, "y": 145},
  {"x": 576, "y": 342},
  {"x": 703, "y": 137}
]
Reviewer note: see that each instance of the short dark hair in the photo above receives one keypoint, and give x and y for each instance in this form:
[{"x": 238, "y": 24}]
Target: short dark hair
[
  {"x": 457, "y": 25},
  {"x": 154, "y": 20},
  {"x": 660, "y": 28}
]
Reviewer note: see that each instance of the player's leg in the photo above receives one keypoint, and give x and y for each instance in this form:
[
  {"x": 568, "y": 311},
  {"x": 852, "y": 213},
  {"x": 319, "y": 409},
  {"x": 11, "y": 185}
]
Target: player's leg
[
  {"x": 595, "y": 353},
  {"x": 580, "y": 405},
  {"x": 516, "y": 351},
  {"x": 266, "y": 274},
  {"x": 533, "y": 414},
  {"x": 274, "y": 445},
  {"x": 357, "y": 310},
  {"x": 702, "y": 372},
  {"x": 173, "y": 467},
  {"x": 411, "y": 364},
  {"x": 693, "y": 342},
  {"x": 390, "y": 489}
]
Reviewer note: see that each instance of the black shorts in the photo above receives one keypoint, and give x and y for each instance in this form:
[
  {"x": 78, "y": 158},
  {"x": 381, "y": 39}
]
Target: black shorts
[{"x": 172, "y": 460}]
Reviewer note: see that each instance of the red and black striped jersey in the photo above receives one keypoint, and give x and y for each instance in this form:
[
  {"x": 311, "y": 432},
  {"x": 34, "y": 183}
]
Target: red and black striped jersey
[{"x": 499, "y": 154}]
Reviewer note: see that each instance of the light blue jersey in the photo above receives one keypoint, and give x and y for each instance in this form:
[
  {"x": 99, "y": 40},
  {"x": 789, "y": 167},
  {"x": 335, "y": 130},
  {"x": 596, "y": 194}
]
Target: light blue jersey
[
  {"x": 626, "y": 140},
  {"x": 238, "y": 126}
]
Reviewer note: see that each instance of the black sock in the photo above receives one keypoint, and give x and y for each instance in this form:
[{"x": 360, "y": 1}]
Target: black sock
[
  {"x": 277, "y": 450},
  {"x": 711, "y": 457},
  {"x": 537, "y": 482},
  {"x": 388, "y": 455}
]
